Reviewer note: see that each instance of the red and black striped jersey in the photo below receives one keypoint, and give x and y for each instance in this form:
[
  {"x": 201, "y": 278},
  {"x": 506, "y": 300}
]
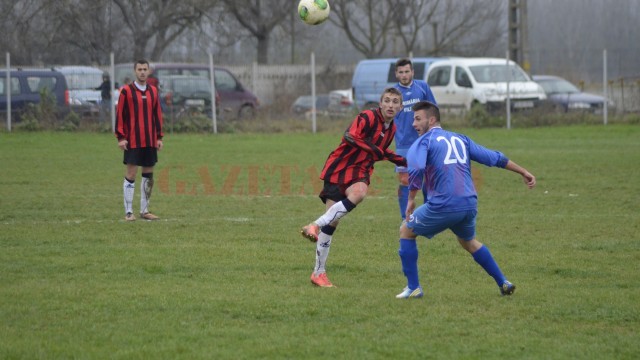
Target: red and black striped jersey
[
  {"x": 366, "y": 141},
  {"x": 139, "y": 116}
]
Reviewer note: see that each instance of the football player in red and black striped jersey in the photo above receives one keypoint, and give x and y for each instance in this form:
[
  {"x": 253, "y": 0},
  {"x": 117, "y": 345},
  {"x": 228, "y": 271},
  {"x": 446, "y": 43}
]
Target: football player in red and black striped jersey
[
  {"x": 348, "y": 170},
  {"x": 139, "y": 132}
]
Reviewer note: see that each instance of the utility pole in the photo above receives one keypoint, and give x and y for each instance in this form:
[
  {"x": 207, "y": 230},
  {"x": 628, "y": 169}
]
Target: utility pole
[{"x": 518, "y": 36}]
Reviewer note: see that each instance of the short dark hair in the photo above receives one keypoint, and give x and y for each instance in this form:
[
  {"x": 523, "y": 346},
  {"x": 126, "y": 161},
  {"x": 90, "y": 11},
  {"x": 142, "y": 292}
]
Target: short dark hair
[
  {"x": 431, "y": 108},
  {"x": 140, "y": 61},
  {"x": 403, "y": 62},
  {"x": 391, "y": 90}
]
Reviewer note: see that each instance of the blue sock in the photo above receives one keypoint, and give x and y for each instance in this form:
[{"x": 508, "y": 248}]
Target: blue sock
[
  {"x": 409, "y": 256},
  {"x": 484, "y": 258},
  {"x": 403, "y": 198}
]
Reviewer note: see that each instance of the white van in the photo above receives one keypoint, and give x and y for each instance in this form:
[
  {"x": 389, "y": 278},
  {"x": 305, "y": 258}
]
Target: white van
[
  {"x": 372, "y": 76},
  {"x": 82, "y": 82},
  {"x": 461, "y": 82}
]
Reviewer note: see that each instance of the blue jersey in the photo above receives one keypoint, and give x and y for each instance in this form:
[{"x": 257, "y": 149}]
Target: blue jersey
[
  {"x": 417, "y": 91},
  {"x": 443, "y": 159}
]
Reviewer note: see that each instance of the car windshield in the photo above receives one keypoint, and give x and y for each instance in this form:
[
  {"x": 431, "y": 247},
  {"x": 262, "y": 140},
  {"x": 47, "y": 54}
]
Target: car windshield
[
  {"x": 191, "y": 86},
  {"x": 322, "y": 101},
  {"x": 83, "y": 81},
  {"x": 497, "y": 73},
  {"x": 558, "y": 86}
]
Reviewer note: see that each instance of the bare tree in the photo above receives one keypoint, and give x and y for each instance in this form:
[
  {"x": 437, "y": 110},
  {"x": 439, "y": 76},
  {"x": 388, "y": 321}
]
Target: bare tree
[
  {"x": 27, "y": 30},
  {"x": 469, "y": 28},
  {"x": 366, "y": 23},
  {"x": 453, "y": 25},
  {"x": 155, "y": 24},
  {"x": 259, "y": 18}
]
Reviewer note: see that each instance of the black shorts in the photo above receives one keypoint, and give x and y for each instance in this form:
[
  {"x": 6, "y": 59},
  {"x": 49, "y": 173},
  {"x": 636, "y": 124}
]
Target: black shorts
[
  {"x": 337, "y": 192},
  {"x": 147, "y": 156}
]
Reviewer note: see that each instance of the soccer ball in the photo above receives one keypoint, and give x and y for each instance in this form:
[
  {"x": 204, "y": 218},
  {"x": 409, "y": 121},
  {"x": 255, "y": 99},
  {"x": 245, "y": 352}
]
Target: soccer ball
[{"x": 313, "y": 12}]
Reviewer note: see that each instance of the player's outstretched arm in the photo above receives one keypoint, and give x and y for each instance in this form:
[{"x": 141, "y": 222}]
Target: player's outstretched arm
[{"x": 528, "y": 178}]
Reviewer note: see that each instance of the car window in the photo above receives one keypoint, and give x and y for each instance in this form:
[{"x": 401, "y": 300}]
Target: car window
[
  {"x": 83, "y": 81},
  {"x": 160, "y": 73},
  {"x": 462, "y": 78},
  {"x": 15, "y": 86},
  {"x": 322, "y": 101},
  {"x": 196, "y": 72},
  {"x": 558, "y": 86},
  {"x": 224, "y": 81},
  {"x": 192, "y": 86},
  {"x": 37, "y": 83},
  {"x": 303, "y": 101},
  {"x": 439, "y": 76},
  {"x": 497, "y": 73}
]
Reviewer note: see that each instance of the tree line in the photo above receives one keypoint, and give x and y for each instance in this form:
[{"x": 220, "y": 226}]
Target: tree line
[{"x": 265, "y": 31}]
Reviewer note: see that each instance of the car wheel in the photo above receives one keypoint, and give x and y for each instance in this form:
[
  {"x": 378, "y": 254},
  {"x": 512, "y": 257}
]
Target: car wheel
[{"x": 246, "y": 112}]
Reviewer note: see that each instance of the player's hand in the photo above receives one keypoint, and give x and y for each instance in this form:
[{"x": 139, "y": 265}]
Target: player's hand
[
  {"x": 122, "y": 144},
  {"x": 160, "y": 145},
  {"x": 529, "y": 179},
  {"x": 411, "y": 206}
]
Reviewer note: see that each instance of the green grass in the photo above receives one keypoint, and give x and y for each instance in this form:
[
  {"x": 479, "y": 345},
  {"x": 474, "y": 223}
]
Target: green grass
[{"x": 225, "y": 275}]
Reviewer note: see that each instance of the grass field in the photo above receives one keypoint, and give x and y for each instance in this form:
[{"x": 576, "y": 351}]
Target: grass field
[{"x": 225, "y": 274}]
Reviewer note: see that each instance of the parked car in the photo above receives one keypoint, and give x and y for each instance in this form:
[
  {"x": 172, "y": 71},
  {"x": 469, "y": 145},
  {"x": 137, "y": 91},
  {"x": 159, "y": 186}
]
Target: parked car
[
  {"x": 565, "y": 96},
  {"x": 26, "y": 87},
  {"x": 461, "y": 82},
  {"x": 303, "y": 105},
  {"x": 180, "y": 94},
  {"x": 341, "y": 103},
  {"x": 236, "y": 101},
  {"x": 82, "y": 82},
  {"x": 372, "y": 76}
]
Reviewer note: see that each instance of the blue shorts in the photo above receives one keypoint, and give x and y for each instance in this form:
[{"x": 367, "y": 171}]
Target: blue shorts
[
  {"x": 429, "y": 223},
  {"x": 403, "y": 153}
]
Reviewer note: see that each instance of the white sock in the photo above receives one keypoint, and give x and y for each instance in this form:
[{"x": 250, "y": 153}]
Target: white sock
[
  {"x": 145, "y": 194},
  {"x": 322, "y": 252},
  {"x": 128, "y": 190},
  {"x": 335, "y": 212}
]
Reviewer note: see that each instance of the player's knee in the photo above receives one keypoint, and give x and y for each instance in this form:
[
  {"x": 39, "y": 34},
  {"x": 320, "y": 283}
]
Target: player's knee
[
  {"x": 470, "y": 245},
  {"x": 403, "y": 178},
  {"x": 406, "y": 233}
]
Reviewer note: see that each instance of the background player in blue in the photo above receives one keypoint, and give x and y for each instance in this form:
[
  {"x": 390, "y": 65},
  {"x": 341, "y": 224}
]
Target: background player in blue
[
  {"x": 412, "y": 92},
  {"x": 442, "y": 159}
]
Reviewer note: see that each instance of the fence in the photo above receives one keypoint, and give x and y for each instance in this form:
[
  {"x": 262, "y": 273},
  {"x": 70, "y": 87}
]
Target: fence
[{"x": 277, "y": 86}]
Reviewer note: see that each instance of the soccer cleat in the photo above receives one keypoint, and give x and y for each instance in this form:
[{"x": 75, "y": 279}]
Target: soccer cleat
[
  {"x": 311, "y": 232},
  {"x": 321, "y": 280},
  {"x": 149, "y": 216},
  {"x": 507, "y": 288},
  {"x": 408, "y": 293},
  {"x": 129, "y": 217}
]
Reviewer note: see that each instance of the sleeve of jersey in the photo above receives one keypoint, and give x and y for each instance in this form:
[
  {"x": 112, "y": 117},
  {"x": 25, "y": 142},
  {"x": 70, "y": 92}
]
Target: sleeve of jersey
[
  {"x": 395, "y": 158},
  {"x": 355, "y": 137},
  {"x": 120, "y": 115},
  {"x": 158, "y": 119},
  {"x": 416, "y": 162},
  {"x": 488, "y": 157},
  {"x": 428, "y": 94}
]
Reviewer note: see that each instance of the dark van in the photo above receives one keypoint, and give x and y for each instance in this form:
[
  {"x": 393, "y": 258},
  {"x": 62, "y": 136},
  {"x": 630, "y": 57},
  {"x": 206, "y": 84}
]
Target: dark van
[
  {"x": 236, "y": 101},
  {"x": 26, "y": 86}
]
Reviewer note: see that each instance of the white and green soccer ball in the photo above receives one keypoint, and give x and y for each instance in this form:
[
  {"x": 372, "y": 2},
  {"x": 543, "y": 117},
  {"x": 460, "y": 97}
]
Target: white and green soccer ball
[{"x": 313, "y": 12}]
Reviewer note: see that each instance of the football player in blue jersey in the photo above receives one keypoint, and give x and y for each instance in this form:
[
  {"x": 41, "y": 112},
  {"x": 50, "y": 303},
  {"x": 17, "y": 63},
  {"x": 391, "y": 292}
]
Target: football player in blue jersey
[
  {"x": 441, "y": 159},
  {"x": 412, "y": 91}
]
